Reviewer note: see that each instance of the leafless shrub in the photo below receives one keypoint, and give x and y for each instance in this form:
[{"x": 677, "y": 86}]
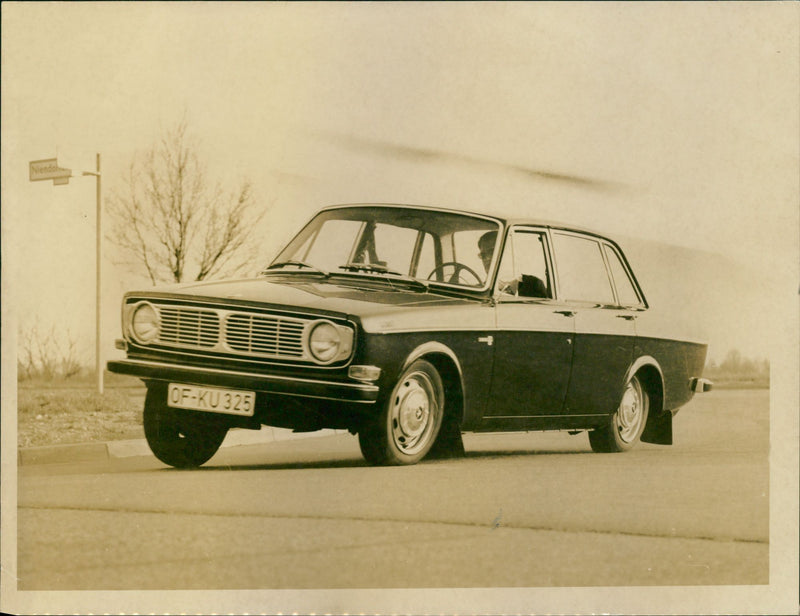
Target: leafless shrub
[
  {"x": 47, "y": 353},
  {"x": 738, "y": 368}
]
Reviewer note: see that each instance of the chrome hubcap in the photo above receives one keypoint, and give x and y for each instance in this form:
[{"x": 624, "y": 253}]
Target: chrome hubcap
[
  {"x": 412, "y": 409},
  {"x": 630, "y": 413}
]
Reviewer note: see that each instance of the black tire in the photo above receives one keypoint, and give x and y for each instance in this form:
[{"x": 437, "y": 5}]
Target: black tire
[
  {"x": 407, "y": 426},
  {"x": 180, "y": 438},
  {"x": 625, "y": 426}
]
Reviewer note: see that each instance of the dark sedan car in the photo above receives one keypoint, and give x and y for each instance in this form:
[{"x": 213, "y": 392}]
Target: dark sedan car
[{"x": 407, "y": 326}]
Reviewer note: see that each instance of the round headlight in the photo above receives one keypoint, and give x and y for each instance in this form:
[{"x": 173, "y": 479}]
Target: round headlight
[
  {"x": 324, "y": 341},
  {"x": 144, "y": 323}
]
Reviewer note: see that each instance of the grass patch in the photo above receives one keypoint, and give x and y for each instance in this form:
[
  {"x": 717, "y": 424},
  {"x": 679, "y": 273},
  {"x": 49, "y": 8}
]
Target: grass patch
[
  {"x": 84, "y": 380},
  {"x": 59, "y": 415}
]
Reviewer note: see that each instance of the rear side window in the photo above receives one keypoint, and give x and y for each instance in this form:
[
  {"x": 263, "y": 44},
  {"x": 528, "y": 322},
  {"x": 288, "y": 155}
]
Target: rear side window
[
  {"x": 626, "y": 292},
  {"x": 582, "y": 273}
]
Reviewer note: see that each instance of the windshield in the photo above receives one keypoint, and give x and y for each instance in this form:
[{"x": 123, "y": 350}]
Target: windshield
[{"x": 426, "y": 245}]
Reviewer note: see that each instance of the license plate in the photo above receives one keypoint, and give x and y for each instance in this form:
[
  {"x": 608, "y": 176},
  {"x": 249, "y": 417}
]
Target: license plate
[{"x": 211, "y": 399}]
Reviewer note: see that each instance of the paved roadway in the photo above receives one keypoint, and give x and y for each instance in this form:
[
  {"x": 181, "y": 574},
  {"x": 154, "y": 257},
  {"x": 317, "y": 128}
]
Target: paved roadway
[{"x": 521, "y": 510}]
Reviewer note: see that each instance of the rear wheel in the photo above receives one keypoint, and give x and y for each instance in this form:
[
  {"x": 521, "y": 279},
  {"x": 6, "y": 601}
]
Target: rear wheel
[
  {"x": 179, "y": 438},
  {"x": 409, "y": 422},
  {"x": 625, "y": 426}
]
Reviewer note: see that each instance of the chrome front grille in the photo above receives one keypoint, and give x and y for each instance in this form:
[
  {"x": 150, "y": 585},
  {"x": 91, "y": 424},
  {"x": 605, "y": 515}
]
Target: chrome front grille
[
  {"x": 186, "y": 326},
  {"x": 267, "y": 335},
  {"x": 222, "y": 331}
]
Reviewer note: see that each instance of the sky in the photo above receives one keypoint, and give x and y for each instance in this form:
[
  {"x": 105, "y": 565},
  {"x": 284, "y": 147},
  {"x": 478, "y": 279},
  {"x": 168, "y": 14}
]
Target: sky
[{"x": 680, "y": 122}]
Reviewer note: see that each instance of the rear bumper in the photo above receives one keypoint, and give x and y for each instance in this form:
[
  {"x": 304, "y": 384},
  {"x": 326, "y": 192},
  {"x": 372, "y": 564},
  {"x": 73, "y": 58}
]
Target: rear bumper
[
  {"x": 700, "y": 385},
  {"x": 360, "y": 393}
]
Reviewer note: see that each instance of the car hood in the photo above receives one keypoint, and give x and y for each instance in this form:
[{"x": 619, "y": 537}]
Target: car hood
[{"x": 361, "y": 298}]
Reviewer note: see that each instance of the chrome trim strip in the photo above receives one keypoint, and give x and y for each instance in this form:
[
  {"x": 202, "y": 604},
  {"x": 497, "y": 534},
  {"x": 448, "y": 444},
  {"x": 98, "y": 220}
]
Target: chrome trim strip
[
  {"x": 544, "y": 416},
  {"x": 260, "y": 361},
  {"x": 254, "y": 375},
  {"x": 313, "y": 397},
  {"x": 205, "y": 302},
  {"x": 446, "y": 330}
]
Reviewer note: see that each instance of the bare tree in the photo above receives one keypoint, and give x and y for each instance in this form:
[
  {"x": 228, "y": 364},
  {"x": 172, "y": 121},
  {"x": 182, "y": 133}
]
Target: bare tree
[{"x": 170, "y": 222}]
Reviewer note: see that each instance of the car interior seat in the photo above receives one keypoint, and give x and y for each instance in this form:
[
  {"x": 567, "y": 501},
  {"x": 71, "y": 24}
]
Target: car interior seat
[{"x": 532, "y": 286}]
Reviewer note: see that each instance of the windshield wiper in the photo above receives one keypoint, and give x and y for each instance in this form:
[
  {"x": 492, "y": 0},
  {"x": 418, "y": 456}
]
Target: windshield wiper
[
  {"x": 313, "y": 268},
  {"x": 382, "y": 269},
  {"x": 369, "y": 267}
]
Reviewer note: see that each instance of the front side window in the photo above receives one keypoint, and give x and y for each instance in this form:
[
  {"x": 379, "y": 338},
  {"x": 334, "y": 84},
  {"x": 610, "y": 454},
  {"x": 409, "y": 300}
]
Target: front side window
[
  {"x": 524, "y": 271},
  {"x": 582, "y": 273}
]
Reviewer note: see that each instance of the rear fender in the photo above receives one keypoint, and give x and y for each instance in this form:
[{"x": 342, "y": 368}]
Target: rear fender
[{"x": 658, "y": 429}]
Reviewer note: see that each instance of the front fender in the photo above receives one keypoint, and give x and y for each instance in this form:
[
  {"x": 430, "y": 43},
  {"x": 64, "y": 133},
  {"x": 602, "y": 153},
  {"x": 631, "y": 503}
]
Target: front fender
[
  {"x": 463, "y": 363},
  {"x": 446, "y": 362},
  {"x": 430, "y": 348}
]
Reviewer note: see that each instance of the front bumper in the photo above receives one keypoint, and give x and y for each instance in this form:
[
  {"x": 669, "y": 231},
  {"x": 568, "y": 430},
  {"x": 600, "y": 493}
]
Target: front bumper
[{"x": 361, "y": 393}]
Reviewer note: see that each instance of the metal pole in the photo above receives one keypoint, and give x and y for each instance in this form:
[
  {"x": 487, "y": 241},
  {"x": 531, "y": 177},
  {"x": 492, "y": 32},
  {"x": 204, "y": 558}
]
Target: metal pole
[
  {"x": 98, "y": 310},
  {"x": 98, "y": 269}
]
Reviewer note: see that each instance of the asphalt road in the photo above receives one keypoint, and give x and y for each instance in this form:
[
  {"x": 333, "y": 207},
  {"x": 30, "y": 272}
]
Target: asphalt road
[{"x": 521, "y": 510}]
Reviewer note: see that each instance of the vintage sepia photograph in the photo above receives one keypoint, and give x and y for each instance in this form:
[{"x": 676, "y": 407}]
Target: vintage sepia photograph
[{"x": 400, "y": 308}]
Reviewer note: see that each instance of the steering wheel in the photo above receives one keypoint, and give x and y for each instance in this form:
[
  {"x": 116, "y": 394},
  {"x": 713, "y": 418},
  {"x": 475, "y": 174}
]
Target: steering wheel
[{"x": 457, "y": 269}]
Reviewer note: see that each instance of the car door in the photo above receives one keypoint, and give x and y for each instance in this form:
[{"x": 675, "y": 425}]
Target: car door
[
  {"x": 605, "y": 331},
  {"x": 534, "y": 334}
]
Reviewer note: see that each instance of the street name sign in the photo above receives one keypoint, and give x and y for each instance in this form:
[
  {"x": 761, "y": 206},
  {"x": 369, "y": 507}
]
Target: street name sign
[{"x": 48, "y": 169}]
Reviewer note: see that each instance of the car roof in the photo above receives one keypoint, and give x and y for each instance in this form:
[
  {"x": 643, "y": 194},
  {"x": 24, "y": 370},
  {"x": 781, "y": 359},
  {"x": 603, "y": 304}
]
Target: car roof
[{"x": 507, "y": 220}]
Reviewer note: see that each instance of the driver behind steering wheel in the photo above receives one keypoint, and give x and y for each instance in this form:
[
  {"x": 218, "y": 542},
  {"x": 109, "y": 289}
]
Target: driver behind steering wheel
[{"x": 485, "y": 251}]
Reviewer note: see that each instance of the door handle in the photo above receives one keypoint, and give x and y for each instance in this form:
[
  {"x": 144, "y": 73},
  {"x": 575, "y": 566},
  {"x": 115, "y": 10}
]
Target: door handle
[
  {"x": 566, "y": 313},
  {"x": 627, "y": 317}
]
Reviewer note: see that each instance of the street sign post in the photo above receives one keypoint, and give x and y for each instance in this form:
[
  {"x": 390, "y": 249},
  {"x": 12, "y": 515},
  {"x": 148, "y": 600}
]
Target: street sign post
[{"x": 48, "y": 169}]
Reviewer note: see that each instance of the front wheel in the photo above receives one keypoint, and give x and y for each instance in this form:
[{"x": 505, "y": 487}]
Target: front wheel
[
  {"x": 409, "y": 422},
  {"x": 178, "y": 439},
  {"x": 625, "y": 426}
]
